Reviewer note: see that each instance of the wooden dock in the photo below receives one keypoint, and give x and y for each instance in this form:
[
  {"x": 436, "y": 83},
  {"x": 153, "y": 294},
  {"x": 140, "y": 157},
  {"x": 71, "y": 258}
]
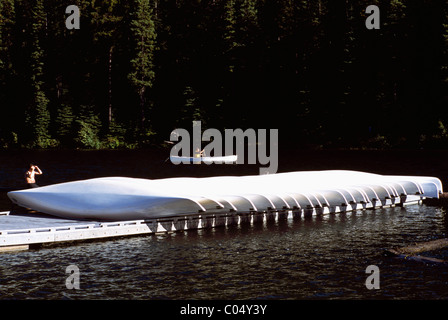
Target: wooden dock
[{"x": 25, "y": 229}]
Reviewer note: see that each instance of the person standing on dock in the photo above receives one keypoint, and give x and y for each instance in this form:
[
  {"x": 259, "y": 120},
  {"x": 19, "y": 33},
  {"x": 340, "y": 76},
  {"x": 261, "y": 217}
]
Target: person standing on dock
[{"x": 30, "y": 176}]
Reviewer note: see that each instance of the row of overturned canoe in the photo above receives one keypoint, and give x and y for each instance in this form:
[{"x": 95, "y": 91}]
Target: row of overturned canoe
[{"x": 121, "y": 198}]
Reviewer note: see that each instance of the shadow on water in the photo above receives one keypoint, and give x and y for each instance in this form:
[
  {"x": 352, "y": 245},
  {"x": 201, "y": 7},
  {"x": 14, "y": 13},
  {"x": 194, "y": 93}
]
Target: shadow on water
[{"x": 308, "y": 258}]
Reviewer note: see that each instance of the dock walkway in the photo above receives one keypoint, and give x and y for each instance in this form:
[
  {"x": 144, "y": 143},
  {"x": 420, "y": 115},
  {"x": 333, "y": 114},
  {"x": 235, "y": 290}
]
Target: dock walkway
[{"x": 20, "y": 231}]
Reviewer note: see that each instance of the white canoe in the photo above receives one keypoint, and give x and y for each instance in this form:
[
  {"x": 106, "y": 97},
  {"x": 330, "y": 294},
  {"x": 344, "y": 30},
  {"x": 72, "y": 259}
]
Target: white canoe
[
  {"x": 206, "y": 160},
  {"x": 119, "y": 198}
]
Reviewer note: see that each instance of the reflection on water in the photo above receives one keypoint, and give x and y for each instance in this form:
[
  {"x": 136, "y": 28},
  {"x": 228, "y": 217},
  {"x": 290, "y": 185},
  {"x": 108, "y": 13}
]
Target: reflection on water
[{"x": 317, "y": 258}]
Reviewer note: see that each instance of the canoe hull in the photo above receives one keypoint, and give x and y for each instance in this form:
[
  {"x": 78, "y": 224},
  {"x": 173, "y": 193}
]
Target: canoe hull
[
  {"x": 120, "y": 198},
  {"x": 206, "y": 160}
]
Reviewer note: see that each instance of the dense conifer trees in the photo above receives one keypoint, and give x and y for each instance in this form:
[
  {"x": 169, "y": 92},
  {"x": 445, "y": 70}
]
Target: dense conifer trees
[{"x": 136, "y": 70}]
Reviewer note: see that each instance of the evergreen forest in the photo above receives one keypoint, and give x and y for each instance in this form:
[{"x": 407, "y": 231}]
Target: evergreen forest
[{"x": 137, "y": 69}]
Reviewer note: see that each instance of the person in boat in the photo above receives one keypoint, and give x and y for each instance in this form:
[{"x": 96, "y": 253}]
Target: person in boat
[
  {"x": 199, "y": 153},
  {"x": 30, "y": 176}
]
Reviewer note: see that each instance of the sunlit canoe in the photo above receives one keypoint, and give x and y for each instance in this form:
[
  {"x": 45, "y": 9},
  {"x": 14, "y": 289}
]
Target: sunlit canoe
[
  {"x": 206, "y": 160},
  {"x": 120, "y": 198}
]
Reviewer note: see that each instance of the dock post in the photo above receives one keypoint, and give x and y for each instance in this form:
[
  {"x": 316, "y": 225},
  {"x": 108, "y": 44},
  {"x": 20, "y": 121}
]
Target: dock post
[
  {"x": 296, "y": 213},
  {"x": 308, "y": 211}
]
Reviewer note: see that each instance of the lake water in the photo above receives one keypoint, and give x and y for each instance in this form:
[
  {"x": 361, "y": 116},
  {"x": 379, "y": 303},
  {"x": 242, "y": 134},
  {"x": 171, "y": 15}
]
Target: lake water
[{"x": 314, "y": 258}]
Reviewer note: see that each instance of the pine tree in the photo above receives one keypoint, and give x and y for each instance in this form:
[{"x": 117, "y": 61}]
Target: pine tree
[
  {"x": 144, "y": 34},
  {"x": 7, "y": 72},
  {"x": 64, "y": 124},
  {"x": 7, "y": 12},
  {"x": 37, "y": 116},
  {"x": 444, "y": 64},
  {"x": 230, "y": 31},
  {"x": 106, "y": 20},
  {"x": 7, "y": 22}
]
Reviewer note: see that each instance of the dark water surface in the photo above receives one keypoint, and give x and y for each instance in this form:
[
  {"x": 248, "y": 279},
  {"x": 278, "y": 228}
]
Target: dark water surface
[{"x": 314, "y": 258}]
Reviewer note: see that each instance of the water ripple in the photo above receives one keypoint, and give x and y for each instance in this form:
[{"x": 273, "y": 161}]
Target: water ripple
[{"x": 317, "y": 258}]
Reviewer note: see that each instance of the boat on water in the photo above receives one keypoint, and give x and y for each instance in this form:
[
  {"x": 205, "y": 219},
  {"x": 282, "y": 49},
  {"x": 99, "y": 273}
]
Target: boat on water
[
  {"x": 207, "y": 160},
  {"x": 122, "y": 198}
]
